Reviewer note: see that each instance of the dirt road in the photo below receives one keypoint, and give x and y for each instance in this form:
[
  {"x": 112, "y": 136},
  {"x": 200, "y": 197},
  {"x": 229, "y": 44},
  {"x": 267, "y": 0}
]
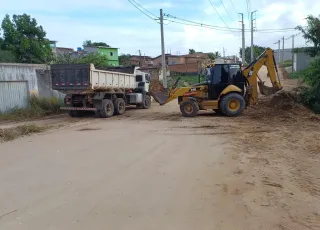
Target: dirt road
[{"x": 153, "y": 169}]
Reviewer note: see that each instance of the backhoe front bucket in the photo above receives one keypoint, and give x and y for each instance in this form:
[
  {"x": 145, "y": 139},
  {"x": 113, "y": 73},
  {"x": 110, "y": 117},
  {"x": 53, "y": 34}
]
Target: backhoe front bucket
[
  {"x": 266, "y": 90},
  {"x": 158, "y": 92}
]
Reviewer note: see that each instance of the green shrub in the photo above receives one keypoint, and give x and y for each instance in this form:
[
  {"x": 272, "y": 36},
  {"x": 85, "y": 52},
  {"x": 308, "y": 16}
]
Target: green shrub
[
  {"x": 38, "y": 107},
  {"x": 311, "y": 96},
  {"x": 287, "y": 63}
]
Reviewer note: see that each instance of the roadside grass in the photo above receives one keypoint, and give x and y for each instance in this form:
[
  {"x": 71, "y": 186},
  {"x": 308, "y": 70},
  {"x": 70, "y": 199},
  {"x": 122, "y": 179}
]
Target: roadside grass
[
  {"x": 19, "y": 131},
  {"x": 38, "y": 107},
  {"x": 297, "y": 75}
]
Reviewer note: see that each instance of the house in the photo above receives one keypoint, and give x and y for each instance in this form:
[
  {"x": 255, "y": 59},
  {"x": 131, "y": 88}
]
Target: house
[
  {"x": 110, "y": 52},
  {"x": 138, "y": 60}
]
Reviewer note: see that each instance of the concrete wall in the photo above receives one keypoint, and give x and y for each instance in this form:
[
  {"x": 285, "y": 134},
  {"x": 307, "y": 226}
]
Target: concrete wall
[
  {"x": 287, "y": 54},
  {"x": 37, "y": 76},
  {"x": 44, "y": 85},
  {"x": 21, "y": 72},
  {"x": 301, "y": 61}
]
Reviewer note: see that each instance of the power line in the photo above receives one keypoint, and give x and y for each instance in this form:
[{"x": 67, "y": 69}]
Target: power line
[
  {"x": 227, "y": 11},
  {"x": 193, "y": 23},
  {"x": 218, "y": 14},
  {"x": 220, "y": 29},
  {"x": 247, "y": 1},
  {"x": 144, "y": 8},
  {"x": 135, "y": 5},
  {"x": 203, "y": 24},
  {"x": 234, "y": 7}
]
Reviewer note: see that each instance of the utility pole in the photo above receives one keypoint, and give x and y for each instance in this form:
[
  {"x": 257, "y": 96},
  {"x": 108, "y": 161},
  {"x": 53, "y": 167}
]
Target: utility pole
[
  {"x": 243, "y": 54},
  {"x": 292, "y": 49},
  {"x": 252, "y": 29},
  {"x": 164, "y": 67},
  {"x": 279, "y": 53},
  {"x": 140, "y": 62},
  {"x": 224, "y": 55},
  {"x": 282, "y": 56}
]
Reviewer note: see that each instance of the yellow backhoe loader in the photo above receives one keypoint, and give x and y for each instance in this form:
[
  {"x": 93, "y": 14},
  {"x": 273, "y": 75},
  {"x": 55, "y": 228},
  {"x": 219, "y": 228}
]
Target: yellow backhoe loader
[{"x": 228, "y": 88}]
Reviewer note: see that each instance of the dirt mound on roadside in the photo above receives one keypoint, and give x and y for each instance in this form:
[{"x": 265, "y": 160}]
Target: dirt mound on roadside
[{"x": 282, "y": 106}]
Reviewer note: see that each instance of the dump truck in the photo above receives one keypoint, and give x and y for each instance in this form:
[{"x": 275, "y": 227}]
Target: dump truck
[{"x": 104, "y": 91}]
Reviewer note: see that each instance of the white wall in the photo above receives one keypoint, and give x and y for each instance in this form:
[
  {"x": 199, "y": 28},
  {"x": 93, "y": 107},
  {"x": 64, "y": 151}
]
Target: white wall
[{"x": 21, "y": 72}]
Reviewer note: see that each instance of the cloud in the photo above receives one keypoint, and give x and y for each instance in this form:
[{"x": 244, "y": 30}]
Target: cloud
[{"x": 120, "y": 24}]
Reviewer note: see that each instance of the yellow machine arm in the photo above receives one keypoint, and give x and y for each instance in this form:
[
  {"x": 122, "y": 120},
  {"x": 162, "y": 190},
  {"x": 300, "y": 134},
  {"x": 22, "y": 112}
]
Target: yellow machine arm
[{"x": 251, "y": 73}]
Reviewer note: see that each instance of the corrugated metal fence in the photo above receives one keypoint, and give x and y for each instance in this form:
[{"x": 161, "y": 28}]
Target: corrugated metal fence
[{"x": 13, "y": 94}]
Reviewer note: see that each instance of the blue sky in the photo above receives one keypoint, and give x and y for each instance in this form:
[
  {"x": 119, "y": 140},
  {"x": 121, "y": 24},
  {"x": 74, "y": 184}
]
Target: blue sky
[{"x": 121, "y": 25}]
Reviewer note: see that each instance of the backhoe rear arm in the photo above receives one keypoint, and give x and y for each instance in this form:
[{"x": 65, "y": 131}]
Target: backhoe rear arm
[{"x": 251, "y": 72}]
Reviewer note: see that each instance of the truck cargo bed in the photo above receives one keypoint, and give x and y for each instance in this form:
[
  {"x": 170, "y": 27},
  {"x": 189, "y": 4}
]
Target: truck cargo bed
[{"x": 66, "y": 77}]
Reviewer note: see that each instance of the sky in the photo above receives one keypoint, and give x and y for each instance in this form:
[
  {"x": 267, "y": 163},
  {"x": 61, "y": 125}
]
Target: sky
[{"x": 121, "y": 25}]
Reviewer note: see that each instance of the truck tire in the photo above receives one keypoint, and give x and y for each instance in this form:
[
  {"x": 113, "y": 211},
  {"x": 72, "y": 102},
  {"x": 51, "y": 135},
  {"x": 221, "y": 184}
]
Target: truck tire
[
  {"x": 75, "y": 113},
  {"x": 189, "y": 108},
  {"x": 119, "y": 106},
  {"x": 146, "y": 102},
  {"x": 107, "y": 108},
  {"x": 232, "y": 105}
]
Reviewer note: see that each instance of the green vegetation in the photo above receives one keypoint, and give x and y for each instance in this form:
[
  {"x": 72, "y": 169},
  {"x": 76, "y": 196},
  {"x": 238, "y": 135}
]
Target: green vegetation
[
  {"x": 312, "y": 35},
  {"x": 38, "y": 107},
  {"x": 124, "y": 59},
  {"x": 25, "y": 40},
  {"x": 310, "y": 96},
  {"x": 287, "y": 63},
  {"x": 23, "y": 130},
  {"x": 185, "y": 80},
  {"x": 89, "y": 43},
  {"x": 99, "y": 60},
  {"x": 7, "y": 56},
  {"x": 257, "y": 50}
]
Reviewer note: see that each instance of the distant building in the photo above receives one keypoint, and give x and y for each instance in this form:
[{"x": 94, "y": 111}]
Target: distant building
[
  {"x": 142, "y": 61},
  {"x": 111, "y": 53}
]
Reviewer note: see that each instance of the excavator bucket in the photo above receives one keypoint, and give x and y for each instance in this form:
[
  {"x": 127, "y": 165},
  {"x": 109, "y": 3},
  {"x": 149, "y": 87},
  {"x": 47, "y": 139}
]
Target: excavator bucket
[
  {"x": 158, "y": 92},
  {"x": 266, "y": 90}
]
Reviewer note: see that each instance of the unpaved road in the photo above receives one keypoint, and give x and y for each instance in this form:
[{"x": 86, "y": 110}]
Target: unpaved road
[{"x": 153, "y": 169}]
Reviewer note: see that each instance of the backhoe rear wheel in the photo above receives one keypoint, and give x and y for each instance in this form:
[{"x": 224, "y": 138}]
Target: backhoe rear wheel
[
  {"x": 232, "y": 104},
  {"x": 189, "y": 108}
]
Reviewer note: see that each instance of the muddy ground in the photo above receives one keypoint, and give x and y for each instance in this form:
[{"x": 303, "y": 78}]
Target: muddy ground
[{"x": 154, "y": 169}]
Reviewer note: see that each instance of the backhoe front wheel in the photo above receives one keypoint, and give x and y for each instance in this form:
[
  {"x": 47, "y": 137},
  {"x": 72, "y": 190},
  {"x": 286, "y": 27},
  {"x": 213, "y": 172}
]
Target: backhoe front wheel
[
  {"x": 189, "y": 108},
  {"x": 232, "y": 104}
]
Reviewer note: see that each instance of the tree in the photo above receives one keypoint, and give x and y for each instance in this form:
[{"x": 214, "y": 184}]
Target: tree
[
  {"x": 217, "y": 54},
  {"x": 7, "y": 56},
  {"x": 192, "y": 51},
  {"x": 25, "y": 39},
  {"x": 89, "y": 43},
  {"x": 257, "y": 50},
  {"x": 124, "y": 59},
  {"x": 99, "y": 60},
  {"x": 312, "y": 34},
  {"x": 213, "y": 56}
]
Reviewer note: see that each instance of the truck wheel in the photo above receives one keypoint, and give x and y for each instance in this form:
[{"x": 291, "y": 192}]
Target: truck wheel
[
  {"x": 189, "y": 108},
  {"x": 75, "y": 113},
  {"x": 232, "y": 105},
  {"x": 107, "y": 108},
  {"x": 147, "y": 102},
  {"x": 119, "y": 106}
]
